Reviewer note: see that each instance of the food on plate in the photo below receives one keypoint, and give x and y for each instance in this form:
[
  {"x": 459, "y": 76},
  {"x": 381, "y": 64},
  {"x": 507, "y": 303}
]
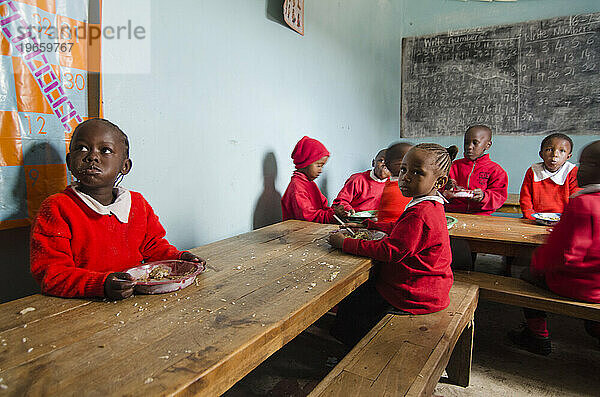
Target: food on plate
[{"x": 163, "y": 273}]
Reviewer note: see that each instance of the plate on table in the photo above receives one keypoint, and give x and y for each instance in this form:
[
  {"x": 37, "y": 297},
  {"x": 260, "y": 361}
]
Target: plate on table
[
  {"x": 367, "y": 234},
  {"x": 547, "y": 218},
  {"x": 164, "y": 276},
  {"x": 463, "y": 193},
  {"x": 362, "y": 215},
  {"x": 450, "y": 221}
]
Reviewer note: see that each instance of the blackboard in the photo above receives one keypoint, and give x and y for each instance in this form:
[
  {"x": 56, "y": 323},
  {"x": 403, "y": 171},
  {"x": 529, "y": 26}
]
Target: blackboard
[{"x": 534, "y": 77}]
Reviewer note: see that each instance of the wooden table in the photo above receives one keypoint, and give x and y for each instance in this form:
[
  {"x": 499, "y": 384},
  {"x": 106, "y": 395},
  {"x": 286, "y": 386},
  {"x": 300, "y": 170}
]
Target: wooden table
[
  {"x": 498, "y": 235},
  {"x": 512, "y": 204},
  {"x": 260, "y": 290}
]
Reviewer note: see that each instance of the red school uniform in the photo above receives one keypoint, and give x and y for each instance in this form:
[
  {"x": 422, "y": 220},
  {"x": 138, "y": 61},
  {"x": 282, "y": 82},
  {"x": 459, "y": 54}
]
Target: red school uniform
[
  {"x": 545, "y": 191},
  {"x": 415, "y": 275},
  {"x": 361, "y": 192},
  {"x": 304, "y": 201},
  {"x": 74, "y": 248},
  {"x": 570, "y": 259},
  {"x": 484, "y": 174},
  {"x": 392, "y": 202}
]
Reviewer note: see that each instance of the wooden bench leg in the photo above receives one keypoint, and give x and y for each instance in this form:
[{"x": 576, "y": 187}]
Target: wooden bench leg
[{"x": 459, "y": 365}]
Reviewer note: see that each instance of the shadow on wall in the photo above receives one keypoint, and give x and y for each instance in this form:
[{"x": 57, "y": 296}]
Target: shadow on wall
[
  {"x": 274, "y": 11},
  {"x": 14, "y": 243},
  {"x": 268, "y": 206},
  {"x": 322, "y": 183}
]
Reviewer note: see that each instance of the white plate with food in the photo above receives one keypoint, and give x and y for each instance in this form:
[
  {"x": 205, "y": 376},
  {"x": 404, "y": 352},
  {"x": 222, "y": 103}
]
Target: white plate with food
[
  {"x": 547, "y": 218},
  {"x": 164, "y": 276}
]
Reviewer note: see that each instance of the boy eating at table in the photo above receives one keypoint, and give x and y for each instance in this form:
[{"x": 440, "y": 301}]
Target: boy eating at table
[
  {"x": 477, "y": 184},
  {"x": 414, "y": 275},
  {"x": 362, "y": 191},
  {"x": 302, "y": 199},
  {"x": 85, "y": 237},
  {"x": 393, "y": 202},
  {"x": 548, "y": 184},
  {"x": 569, "y": 263}
]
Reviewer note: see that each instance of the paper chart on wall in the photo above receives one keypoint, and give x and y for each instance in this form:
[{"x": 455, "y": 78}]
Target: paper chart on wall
[{"x": 49, "y": 83}]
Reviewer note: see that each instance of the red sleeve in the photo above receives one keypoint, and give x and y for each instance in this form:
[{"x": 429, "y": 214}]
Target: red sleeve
[
  {"x": 403, "y": 241},
  {"x": 155, "y": 246},
  {"x": 569, "y": 241},
  {"x": 385, "y": 227},
  {"x": 496, "y": 191},
  {"x": 525, "y": 200},
  {"x": 572, "y": 181},
  {"x": 52, "y": 264},
  {"x": 452, "y": 173},
  {"x": 346, "y": 195},
  {"x": 302, "y": 205}
]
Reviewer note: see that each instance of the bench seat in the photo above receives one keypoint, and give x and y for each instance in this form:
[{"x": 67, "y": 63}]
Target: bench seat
[
  {"x": 517, "y": 292},
  {"x": 405, "y": 355}
]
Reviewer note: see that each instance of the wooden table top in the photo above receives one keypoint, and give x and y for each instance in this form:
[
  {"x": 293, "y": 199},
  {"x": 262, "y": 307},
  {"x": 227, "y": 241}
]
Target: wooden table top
[
  {"x": 498, "y": 229},
  {"x": 260, "y": 290}
]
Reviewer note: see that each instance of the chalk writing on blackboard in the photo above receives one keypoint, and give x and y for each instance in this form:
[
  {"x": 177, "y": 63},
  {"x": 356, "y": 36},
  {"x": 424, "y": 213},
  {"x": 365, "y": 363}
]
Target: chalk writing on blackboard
[{"x": 534, "y": 77}]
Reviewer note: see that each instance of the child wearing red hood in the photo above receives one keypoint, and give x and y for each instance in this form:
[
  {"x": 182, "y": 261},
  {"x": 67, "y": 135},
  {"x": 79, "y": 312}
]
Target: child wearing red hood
[
  {"x": 476, "y": 175},
  {"x": 302, "y": 199}
]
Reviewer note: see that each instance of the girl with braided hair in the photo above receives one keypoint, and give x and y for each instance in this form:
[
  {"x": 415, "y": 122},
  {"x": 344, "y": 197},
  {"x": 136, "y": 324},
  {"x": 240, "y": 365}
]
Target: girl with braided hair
[{"x": 414, "y": 274}]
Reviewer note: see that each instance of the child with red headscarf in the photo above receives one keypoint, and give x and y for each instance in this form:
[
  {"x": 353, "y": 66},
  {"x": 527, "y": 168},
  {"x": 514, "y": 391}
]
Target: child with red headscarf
[{"x": 302, "y": 199}]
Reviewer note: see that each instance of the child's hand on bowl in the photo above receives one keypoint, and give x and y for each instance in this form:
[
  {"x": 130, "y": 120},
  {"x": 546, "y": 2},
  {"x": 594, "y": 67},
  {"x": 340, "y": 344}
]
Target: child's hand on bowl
[
  {"x": 340, "y": 211},
  {"x": 118, "y": 286},
  {"x": 336, "y": 239},
  {"x": 188, "y": 256},
  {"x": 478, "y": 195}
]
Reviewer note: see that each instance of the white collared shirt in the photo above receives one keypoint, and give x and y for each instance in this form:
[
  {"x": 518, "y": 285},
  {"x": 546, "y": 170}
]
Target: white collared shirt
[
  {"x": 559, "y": 177},
  {"x": 120, "y": 208},
  {"x": 374, "y": 177},
  {"x": 438, "y": 197},
  {"x": 394, "y": 178}
]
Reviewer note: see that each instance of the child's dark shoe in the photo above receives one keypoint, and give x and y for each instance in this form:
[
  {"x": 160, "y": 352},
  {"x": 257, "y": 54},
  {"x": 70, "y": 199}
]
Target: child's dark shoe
[{"x": 527, "y": 340}]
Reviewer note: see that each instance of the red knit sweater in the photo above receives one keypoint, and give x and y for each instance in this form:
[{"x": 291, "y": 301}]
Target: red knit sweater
[
  {"x": 570, "y": 259},
  {"x": 415, "y": 275},
  {"x": 392, "y": 203},
  {"x": 304, "y": 201},
  {"x": 484, "y": 174},
  {"x": 546, "y": 195},
  {"x": 73, "y": 248},
  {"x": 360, "y": 192}
]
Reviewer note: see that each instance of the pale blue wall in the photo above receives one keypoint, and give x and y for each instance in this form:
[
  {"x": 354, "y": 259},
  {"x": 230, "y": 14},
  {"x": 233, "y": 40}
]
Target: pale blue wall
[
  {"x": 229, "y": 85},
  {"x": 424, "y": 17}
]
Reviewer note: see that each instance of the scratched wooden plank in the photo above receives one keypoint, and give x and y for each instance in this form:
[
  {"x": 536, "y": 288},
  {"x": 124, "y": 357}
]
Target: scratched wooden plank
[{"x": 201, "y": 327}]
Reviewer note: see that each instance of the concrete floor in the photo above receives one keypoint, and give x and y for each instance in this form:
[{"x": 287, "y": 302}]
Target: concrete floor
[{"x": 499, "y": 369}]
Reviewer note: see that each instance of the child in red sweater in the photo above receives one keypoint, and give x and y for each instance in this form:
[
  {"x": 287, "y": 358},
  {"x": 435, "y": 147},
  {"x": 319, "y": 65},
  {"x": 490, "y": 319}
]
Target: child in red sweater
[
  {"x": 393, "y": 202},
  {"x": 548, "y": 185},
  {"x": 569, "y": 263},
  {"x": 484, "y": 180},
  {"x": 362, "y": 191},
  {"x": 302, "y": 199},
  {"x": 85, "y": 237},
  {"x": 414, "y": 275}
]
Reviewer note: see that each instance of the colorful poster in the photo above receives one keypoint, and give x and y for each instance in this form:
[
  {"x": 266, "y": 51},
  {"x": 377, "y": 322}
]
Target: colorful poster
[
  {"x": 293, "y": 13},
  {"x": 49, "y": 83}
]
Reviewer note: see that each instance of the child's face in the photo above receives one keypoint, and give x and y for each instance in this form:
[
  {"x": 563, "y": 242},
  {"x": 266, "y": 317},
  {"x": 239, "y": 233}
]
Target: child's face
[
  {"x": 589, "y": 166},
  {"x": 555, "y": 153},
  {"x": 97, "y": 156},
  {"x": 477, "y": 141},
  {"x": 379, "y": 168},
  {"x": 314, "y": 170},
  {"x": 419, "y": 176}
]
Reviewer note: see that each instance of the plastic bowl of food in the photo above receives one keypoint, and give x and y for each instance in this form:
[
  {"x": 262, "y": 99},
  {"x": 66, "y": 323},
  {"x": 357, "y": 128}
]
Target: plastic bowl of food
[
  {"x": 366, "y": 234},
  {"x": 164, "y": 276},
  {"x": 450, "y": 221},
  {"x": 462, "y": 194},
  {"x": 547, "y": 218},
  {"x": 362, "y": 215}
]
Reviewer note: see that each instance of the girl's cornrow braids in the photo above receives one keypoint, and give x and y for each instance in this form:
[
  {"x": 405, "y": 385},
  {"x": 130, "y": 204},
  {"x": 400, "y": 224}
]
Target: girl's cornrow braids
[{"x": 443, "y": 156}]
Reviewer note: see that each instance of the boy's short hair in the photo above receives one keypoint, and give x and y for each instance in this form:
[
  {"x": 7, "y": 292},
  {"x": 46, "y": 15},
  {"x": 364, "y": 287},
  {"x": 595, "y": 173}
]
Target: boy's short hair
[
  {"x": 480, "y": 127},
  {"x": 107, "y": 123},
  {"x": 396, "y": 151},
  {"x": 559, "y": 136}
]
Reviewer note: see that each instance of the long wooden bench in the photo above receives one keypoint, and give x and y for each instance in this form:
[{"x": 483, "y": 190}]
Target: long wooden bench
[
  {"x": 511, "y": 205},
  {"x": 517, "y": 292},
  {"x": 405, "y": 355}
]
